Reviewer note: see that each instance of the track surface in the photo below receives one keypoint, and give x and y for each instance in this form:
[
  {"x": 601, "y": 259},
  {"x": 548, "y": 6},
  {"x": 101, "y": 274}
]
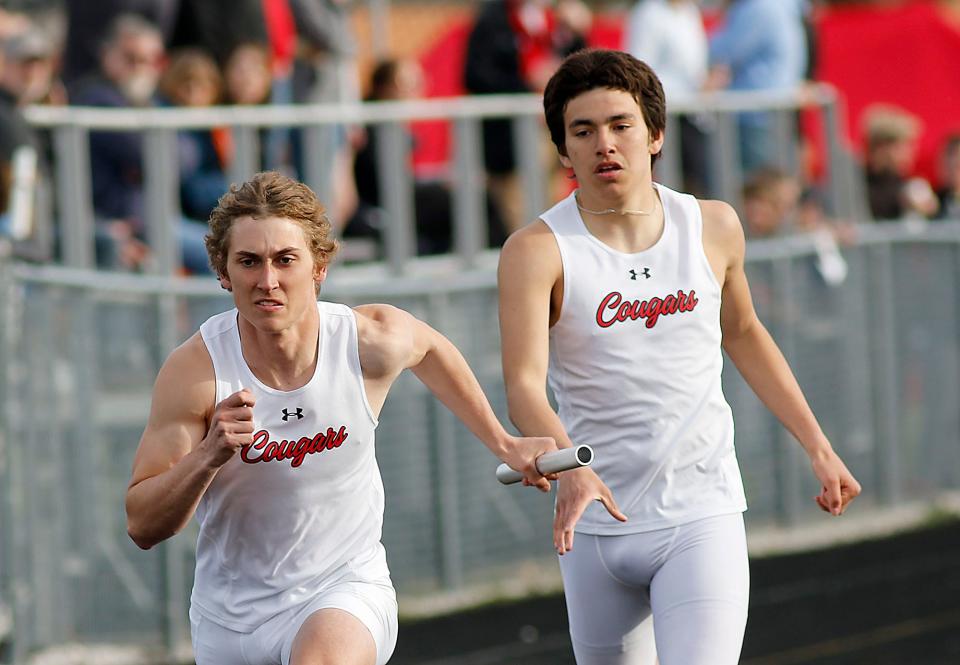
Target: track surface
[{"x": 887, "y": 602}]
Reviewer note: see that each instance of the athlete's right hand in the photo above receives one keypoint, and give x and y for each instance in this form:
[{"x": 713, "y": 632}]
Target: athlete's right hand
[
  {"x": 231, "y": 427},
  {"x": 575, "y": 490}
]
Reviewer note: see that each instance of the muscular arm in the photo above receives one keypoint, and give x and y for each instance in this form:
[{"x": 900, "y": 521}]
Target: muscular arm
[
  {"x": 392, "y": 340},
  {"x": 758, "y": 358},
  {"x": 177, "y": 457},
  {"x": 529, "y": 278}
]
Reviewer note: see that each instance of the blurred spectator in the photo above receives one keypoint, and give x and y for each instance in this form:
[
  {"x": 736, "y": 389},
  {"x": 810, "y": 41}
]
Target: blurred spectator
[
  {"x": 282, "y": 39},
  {"x": 394, "y": 79},
  {"x": 219, "y": 26},
  {"x": 891, "y": 142},
  {"x": 130, "y": 67},
  {"x": 131, "y": 60},
  {"x": 88, "y": 22},
  {"x": 774, "y": 204},
  {"x": 514, "y": 47},
  {"x": 399, "y": 79},
  {"x": 248, "y": 81},
  {"x": 30, "y": 68},
  {"x": 325, "y": 68},
  {"x": 770, "y": 200},
  {"x": 12, "y": 23},
  {"x": 949, "y": 193},
  {"x": 760, "y": 46},
  {"x": 192, "y": 79},
  {"x": 325, "y": 72},
  {"x": 669, "y": 36},
  {"x": 247, "y": 74},
  {"x": 27, "y": 76},
  {"x": 15, "y": 134}
]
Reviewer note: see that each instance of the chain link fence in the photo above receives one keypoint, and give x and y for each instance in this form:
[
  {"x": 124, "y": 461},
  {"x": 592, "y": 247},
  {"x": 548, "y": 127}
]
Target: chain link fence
[{"x": 877, "y": 356}]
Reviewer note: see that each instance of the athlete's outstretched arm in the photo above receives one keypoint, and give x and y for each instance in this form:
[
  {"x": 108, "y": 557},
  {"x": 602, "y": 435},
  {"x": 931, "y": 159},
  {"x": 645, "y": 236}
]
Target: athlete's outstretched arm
[
  {"x": 185, "y": 443},
  {"x": 758, "y": 358},
  {"x": 392, "y": 340},
  {"x": 529, "y": 276}
]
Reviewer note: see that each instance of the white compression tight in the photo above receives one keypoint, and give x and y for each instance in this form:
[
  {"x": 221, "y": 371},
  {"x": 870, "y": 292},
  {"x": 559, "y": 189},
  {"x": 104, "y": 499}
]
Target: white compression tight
[{"x": 678, "y": 594}]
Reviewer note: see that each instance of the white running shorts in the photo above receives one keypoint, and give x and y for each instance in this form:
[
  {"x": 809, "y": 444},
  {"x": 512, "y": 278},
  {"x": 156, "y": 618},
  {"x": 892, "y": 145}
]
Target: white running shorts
[
  {"x": 373, "y": 602},
  {"x": 678, "y": 594}
]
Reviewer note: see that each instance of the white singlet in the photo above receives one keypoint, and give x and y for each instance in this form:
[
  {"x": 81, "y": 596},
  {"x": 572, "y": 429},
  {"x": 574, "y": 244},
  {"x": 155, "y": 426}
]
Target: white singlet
[
  {"x": 305, "y": 498},
  {"x": 635, "y": 366}
]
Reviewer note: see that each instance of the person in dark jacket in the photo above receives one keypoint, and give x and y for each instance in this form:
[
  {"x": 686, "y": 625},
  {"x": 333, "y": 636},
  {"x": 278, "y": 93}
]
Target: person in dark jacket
[
  {"x": 514, "y": 47},
  {"x": 130, "y": 67}
]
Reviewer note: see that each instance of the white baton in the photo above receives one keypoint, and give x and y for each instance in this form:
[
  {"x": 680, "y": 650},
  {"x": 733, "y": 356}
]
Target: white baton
[{"x": 555, "y": 462}]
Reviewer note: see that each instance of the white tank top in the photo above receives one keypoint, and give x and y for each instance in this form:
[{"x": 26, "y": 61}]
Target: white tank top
[
  {"x": 304, "y": 498},
  {"x": 635, "y": 366}
]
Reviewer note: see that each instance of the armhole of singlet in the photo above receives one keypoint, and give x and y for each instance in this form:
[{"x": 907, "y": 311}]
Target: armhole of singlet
[
  {"x": 353, "y": 358},
  {"x": 565, "y": 299},
  {"x": 213, "y": 362},
  {"x": 704, "y": 260}
]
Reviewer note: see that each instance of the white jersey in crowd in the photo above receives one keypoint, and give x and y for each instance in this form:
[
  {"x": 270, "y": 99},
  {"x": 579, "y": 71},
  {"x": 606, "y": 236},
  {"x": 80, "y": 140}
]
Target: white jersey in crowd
[
  {"x": 670, "y": 37},
  {"x": 304, "y": 498},
  {"x": 635, "y": 366}
]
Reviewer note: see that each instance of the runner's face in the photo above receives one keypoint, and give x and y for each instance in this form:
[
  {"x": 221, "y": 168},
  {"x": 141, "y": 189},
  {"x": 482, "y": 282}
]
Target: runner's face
[
  {"x": 608, "y": 144},
  {"x": 271, "y": 272}
]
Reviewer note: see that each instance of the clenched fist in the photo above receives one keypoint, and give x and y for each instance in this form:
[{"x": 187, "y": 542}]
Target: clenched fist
[{"x": 231, "y": 427}]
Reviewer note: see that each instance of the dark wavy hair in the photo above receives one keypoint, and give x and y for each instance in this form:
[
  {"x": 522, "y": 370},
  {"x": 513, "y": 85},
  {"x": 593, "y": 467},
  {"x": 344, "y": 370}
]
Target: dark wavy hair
[{"x": 589, "y": 69}]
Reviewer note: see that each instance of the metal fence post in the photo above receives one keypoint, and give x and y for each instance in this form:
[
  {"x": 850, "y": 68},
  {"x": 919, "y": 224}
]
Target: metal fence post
[
  {"x": 10, "y": 541},
  {"x": 857, "y": 371},
  {"x": 726, "y": 174},
  {"x": 784, "y": 130},
  {"x": 469, "y": 213},
  {"x": 74, "y": 204},
  {"x": 319, "y": 152},
  {"x": 246, "y": 157},
  {"x": 396, "y": 193},
  {"x": 788, "y": 456},
  {"x": 886, "y": 383},
  {"x": 448, "y": 497},
  {"x": 528, "y": 143},
  {"x": 669, "y": 167},
  {"x": 846, "y": 198},
  {"x": 83, "y": 443},
  {"x": 162, "y": 196}
]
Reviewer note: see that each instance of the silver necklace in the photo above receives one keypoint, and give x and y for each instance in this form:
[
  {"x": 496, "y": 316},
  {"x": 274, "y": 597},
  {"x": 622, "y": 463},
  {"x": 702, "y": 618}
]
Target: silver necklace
[{"x": 614, "y": 211}]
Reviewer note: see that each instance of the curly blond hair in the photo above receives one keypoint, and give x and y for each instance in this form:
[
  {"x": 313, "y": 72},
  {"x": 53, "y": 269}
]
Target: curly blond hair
[{"x": 270, "y": 194}]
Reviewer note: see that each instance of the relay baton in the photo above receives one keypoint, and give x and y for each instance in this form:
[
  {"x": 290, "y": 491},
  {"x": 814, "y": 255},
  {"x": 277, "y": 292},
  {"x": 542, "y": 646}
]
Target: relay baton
[{"x": 555, "y": 462}]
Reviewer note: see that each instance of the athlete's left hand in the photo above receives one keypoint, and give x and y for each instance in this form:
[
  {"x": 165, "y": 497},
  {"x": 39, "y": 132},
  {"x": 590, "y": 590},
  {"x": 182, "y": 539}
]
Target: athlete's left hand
[
  {"x": 839, "y": 487},
  {"x": 576, "y": 489}
]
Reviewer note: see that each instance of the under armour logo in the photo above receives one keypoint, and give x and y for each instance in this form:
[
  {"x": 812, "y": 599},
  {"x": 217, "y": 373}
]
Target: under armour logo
[
  {"x": 298, "y": 413},
  {"x": 645, "y": 272}
]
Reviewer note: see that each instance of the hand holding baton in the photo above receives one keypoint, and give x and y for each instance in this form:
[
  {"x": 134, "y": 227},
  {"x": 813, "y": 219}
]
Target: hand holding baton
[{"x": 555, "y": 462}]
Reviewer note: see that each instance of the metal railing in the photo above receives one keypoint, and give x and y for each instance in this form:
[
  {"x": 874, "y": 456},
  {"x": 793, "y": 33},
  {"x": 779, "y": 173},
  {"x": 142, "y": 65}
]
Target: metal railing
[
  {"x": 877, "y": 354},
  {"x": 71, "y": 127}
]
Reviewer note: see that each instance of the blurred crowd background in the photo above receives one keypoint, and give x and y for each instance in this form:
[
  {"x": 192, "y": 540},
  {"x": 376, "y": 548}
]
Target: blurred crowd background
[{"x": 889, "y": 60}]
